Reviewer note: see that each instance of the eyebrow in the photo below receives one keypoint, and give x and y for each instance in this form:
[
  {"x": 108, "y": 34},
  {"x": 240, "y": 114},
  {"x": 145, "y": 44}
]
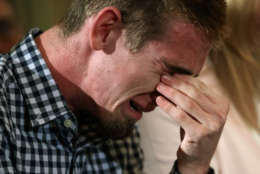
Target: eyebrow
[{"x": 172, "y": 69}]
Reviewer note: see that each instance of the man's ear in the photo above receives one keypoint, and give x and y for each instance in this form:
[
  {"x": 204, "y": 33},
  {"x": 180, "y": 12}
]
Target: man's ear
[{"x": 105, "y": 29}]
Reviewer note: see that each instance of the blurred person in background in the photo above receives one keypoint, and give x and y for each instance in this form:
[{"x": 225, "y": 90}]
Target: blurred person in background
[
  {"x": 9, "y": 31},
  {"x": 233, "y": 70}
]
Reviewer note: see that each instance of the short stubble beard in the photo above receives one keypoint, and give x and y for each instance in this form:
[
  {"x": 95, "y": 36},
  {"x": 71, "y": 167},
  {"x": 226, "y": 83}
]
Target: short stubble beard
[{"x": 113, "y": 125}]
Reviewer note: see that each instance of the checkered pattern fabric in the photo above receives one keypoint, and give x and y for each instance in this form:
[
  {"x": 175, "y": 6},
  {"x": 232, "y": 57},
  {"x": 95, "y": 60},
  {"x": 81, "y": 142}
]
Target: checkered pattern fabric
[{"x": 40, "y": 135}]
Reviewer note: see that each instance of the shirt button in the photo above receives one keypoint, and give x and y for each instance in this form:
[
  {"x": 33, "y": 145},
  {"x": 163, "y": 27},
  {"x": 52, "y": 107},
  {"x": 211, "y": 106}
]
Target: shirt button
[{"x": 68, "y": 123}]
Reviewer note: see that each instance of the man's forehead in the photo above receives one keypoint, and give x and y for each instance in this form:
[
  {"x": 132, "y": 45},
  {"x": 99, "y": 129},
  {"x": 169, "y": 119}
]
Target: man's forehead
[
  {"x": 184, "y": 48},
  {"x": 181, "y": 27}
]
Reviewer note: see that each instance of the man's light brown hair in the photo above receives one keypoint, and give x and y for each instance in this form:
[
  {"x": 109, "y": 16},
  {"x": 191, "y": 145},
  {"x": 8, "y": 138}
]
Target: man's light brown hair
[{"x": 145, "y": 20}]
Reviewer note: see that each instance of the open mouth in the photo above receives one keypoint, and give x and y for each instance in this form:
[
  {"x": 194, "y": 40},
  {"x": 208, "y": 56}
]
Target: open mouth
[
  {"x": 137, "y": 106},
  {"x": 137, "y": 110},
  {"x": 134, "y": 106}
]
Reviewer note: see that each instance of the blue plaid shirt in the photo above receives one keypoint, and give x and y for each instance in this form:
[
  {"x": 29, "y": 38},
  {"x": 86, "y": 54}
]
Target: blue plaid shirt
[{"x": 39, "y": 134}]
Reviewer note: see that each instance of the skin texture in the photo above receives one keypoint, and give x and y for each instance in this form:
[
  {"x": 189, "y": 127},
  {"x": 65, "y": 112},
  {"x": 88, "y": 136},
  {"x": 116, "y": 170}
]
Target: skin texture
[{"x": 96, "y": 72}]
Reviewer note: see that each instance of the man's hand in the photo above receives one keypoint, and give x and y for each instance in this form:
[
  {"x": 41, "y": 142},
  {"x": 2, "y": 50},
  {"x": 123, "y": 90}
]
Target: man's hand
[{"x": 201, "y": 114}]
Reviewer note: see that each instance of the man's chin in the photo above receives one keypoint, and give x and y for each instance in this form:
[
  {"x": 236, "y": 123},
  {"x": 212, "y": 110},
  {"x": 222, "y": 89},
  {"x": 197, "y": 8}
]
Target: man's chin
[
  {"x": 113, "y": 125},
  {"x": 117, "y": 130},
  {"x": 118, "y": 135}
]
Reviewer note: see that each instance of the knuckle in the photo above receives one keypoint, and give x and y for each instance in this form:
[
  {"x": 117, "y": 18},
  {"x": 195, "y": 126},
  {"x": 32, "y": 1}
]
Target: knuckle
[
  {"x": 193, "y": 93},
  {"x": 223, "y": 112},
  {"x": 188, "y": 105},
  {"x": 202, "y": 85},
  {"x": 180, "y": 115},
  {"x": 227, "y": 108},
  {"x": 207, "y": 132},
  {"x": 202, "y": 133},
  {"x": 172, "y": 92},
  {"x": 221, "y": 122},
  {"x": 198, "y": 96},
  {"x": 167, "y": 107},
  {"x": 217, "y": 125}
]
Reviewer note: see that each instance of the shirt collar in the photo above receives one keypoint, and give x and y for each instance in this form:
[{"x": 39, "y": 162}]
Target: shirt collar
[{"x": 42, "y": 96}]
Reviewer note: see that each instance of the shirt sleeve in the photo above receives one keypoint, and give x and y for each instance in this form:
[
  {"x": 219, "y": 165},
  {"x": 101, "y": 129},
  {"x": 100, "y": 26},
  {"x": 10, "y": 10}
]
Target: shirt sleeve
[{"x": 176, "y": 171}]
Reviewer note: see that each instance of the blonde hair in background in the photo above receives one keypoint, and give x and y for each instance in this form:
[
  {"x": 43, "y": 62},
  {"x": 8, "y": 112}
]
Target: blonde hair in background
[{"x": 237, "y": 63}]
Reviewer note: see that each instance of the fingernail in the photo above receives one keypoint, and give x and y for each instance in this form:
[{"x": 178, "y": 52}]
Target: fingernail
[
  {"x": 161, "y": 86},
  {"x": 166, "y": 78},
  {"x": 160, "y": 100}
]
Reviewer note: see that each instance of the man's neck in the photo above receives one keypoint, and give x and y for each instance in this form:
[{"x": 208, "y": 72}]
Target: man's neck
[{"x": 60, "y": 56}]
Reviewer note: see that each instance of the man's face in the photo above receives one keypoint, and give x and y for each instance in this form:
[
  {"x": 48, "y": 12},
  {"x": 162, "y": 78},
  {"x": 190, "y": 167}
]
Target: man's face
[{"x": 123, "y": 83}]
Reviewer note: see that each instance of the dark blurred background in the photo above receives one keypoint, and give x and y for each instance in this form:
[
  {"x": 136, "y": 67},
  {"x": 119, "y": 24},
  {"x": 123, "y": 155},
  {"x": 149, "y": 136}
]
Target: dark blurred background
[{"x": 38, "y": 13}]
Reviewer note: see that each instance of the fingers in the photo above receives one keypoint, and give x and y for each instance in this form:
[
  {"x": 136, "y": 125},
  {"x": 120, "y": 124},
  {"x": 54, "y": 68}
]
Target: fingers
[
  {"x": 199, "y": 111},
  {"x": 208, "y": 100},
  {"x": 177, "y": 114},
  {"x": 196, "y": 99},
  {"x": 184, "y": 102}
]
